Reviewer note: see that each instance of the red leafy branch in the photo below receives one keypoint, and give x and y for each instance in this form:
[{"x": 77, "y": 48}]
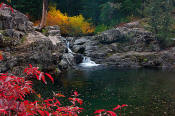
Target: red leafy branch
[
  {"x": 13, "y": 90},
  {"x": 1, "y": 57},
  {"x": 35, "y": 73},
  {"x": 2, "y": 6},
  {"x": 103, "y": 112}
]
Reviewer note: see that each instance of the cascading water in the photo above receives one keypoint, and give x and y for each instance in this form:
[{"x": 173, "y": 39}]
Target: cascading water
[
  {"x": 68, "y": 48},
  {"x": 87, "y": 62}
]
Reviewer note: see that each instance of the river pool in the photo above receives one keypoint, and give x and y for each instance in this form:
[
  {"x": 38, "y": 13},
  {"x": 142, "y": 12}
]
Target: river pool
[{"x": 148, "y": 92}]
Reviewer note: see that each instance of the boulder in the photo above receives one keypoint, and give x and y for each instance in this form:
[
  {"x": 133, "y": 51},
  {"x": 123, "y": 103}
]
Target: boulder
[
  {"x": 38, "y": 50},
  {"x": 16, "y": 20},
  {"x": 81, "y": 41},
  {"x": 13, "y": 33},
  {"x": 53, "y": 31},
  {"x": 55, "y": 27},
  {"x": 67, "y": 61},
  {"x": 130, "y": 39},
  {"x": 11, "y": 38},
  {"x": 78, "y": 58}
]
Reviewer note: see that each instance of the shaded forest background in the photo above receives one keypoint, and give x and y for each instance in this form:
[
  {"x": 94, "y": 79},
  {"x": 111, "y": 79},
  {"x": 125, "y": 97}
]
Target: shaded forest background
[{"x": 108, "y": 12}]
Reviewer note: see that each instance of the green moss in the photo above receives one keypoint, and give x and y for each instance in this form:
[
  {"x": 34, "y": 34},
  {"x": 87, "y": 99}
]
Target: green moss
[
  {"x": 144, "y": 23},
  {"x": 6, "y": 38},
  {"x": 141, "y": 58},
  {"x": 100, "y": 45},
  {"x": 44, "y": 31},
  {"x": 109, "y": 54},
  {"x": 100, "y": 28},
  {"x": 145, "y": 60},
  {"x": 23, "y": 39},
  {"x": 2, "y": 32},
  {"x": 129, "y": 36}
]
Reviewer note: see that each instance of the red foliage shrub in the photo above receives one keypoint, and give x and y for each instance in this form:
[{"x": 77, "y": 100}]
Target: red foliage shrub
[
  {"x": 12, "y": 91},
  {"x": 33, "y": 72},
  {"x": 12, "y": 97}
]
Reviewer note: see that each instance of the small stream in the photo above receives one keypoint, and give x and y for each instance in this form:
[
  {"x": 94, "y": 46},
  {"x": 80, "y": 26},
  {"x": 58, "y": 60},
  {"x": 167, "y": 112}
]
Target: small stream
[{"x": 148, "y": 92}]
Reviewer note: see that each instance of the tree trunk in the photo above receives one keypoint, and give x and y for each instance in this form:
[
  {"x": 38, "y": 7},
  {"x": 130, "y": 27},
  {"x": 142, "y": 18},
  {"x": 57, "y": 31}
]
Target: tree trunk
[{"x": 44, "y": 14}]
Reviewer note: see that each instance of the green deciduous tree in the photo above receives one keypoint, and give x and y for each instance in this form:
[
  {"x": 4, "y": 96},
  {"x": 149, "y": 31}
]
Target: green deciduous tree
[{"x": 160, "y": 18}]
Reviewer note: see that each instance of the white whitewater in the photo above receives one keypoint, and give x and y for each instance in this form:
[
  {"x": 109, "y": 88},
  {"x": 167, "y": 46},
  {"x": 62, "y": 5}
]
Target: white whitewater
[
  {"x": 68, "y": 48},
  {"x": 87, "y": 62}
]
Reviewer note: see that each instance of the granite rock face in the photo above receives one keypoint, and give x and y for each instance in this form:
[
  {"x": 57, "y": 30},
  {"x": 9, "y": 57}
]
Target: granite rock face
[
  {"x": 130, "y": 39},
  {"x": 13, "y": 26},
  {"x": 16, "y": 20}
]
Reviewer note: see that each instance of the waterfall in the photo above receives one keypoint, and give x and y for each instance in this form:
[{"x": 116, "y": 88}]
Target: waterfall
[
  {"x": 87, "y": 62},
  {"x": 68, "y": 47}
]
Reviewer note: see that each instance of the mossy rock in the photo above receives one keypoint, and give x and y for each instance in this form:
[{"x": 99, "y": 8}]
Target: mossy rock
[
  {"x": 45, "y": 31},
  {"x": 23, "y": 39},
  {"x": 11, "y": 42},
  {"x": 2, "y": 32}
]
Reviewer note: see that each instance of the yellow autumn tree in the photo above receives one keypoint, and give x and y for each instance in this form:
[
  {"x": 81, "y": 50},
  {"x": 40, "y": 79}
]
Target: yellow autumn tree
[{"x": 76, "y": 25}]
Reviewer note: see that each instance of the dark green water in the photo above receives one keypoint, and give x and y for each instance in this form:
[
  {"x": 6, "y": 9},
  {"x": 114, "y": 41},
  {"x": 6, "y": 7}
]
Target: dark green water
[{"x": 147, "y": 92}]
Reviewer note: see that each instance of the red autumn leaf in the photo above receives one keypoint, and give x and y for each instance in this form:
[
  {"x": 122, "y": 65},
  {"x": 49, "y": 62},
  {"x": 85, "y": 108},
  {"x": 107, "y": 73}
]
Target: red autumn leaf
[
  {"x": 57, "y": 102},
  {"x": 48, "y": 100},
  {"x": 37, "y": 77},
  {"x": 71, "y": 99},
  {"x": 11, "y": 9},
  {"x": 59, "y": 95},
  {"x": 30, "y": 65},
  {"x": 80, "y": 101},
  {"x": 118, "y": 106},
  {"x": 111, "y": 113},
  {"x": 3, "y": 111},
  {"x": 41, "y": 112},
  {"x": 76, "y": 94},
  {"x": 1, "y": 57},
  {"x": 51, "y": 78},
  {"x": 99, "y": 111},
  {"x": 47, "y": 113},
  {"x": 43, "y": 78},
  {"x": 1, "y": 4},
  {"x": 124, "y": 105}
]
